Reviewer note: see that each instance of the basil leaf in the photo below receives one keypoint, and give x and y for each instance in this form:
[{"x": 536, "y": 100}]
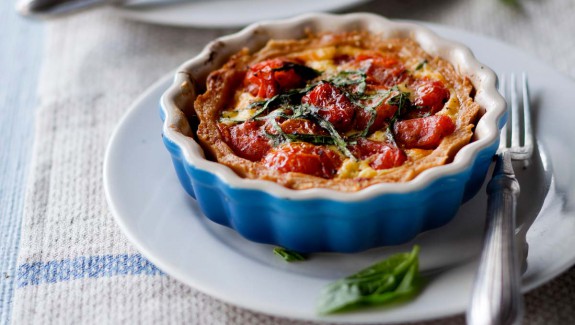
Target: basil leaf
[
  {"x": 420, "y": 65},
  {"x": 270, "y": 119},
  {"x": 311, "y": 138},
  {"x": 337, "y": 139},
  {"x": 392, "y": 280},
  {"x": 289, "y": 98},
  {"x": 403, "y": 103},
  {"x": 264, "y": 105},
  {"x": 350, "y": 78},
  {"x": 372, "y": 115},
  {"x": 288, "y": 255},
  {"x": 401, "y": 100}
]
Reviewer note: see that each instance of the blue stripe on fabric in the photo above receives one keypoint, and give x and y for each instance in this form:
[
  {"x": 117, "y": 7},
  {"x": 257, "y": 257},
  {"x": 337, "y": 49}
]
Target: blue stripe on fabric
[
  {"x": 83, "y": 267},
  {"x": 21, "y": 55}
]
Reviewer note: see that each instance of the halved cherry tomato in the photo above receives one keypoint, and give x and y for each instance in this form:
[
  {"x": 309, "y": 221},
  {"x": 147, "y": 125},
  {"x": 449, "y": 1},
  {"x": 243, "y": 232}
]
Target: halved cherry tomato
[
  {"x": 333, "y": 104},
  {"x": 430, "y": 94},
  {"x": 424, "y": 132},
  {"x": 295, "y": 126},
  {"x": 301, "y": 126},
  {"x": 382, "y": 112},
  {"x": 246, "y": 140},
  {"x": 266, "y": 79},
  {"x": 340, "y": 59},
  {"x": 382, "y": 71},
  {"x": 382, "y": 155},
  {"x": 303, "y": 158}
]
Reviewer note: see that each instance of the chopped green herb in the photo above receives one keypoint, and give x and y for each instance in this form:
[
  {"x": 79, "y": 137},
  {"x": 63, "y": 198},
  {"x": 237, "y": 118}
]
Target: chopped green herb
[
  {"x": 338, "y": 140},
  {"x": 264, "y": 105},
  {"x": 393, "y": 280},
  {"x": 349, "y": 78},
  {"x": 401, "y": 100},
  {"x": 420, "y": 65},
  {"x": 289, "y": 98},
  {"x": 371, "y": 109},
  {"x": 280, "y": 136},
  {"x": 288, "y": 255},
  {"x": 373, "y": 115},
  {"x": 311, "y": 138}
]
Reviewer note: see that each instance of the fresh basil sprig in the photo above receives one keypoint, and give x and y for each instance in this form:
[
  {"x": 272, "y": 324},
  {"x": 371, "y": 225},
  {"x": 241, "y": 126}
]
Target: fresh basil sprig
[
  {"x": 288, "y": 255},
  {"x": 392, "y": 280}
]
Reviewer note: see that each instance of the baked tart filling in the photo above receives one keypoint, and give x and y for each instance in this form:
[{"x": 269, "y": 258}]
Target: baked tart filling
[{"x": 341, "y": 111}]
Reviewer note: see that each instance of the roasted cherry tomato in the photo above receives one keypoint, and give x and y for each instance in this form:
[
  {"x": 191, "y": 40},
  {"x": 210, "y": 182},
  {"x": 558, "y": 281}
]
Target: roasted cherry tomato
[
  {"x": 303, "y": 158},
  {"x": 333, "y": 104},
  {"x": 342, "y": 59},
  {"x": 424, "y": 132},
  {"x": 382, "y": 155},
  {"x": 382, "y": 113},
  {"x": 246, "y": 139},
  {"x": 301, "y": 126},
  {"x": 267, "y": 78},
  {"x": 295, "y": 126},
  {"x": 382, "y": 71},
  {"x": 430, "y": 94}
]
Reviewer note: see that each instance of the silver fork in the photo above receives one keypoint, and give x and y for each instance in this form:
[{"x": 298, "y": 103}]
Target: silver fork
[
  {"x": 50, "y": 8},
  {"x": 496, "y": 296}
]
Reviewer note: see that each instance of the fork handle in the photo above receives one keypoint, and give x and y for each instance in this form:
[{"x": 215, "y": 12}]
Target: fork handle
[
  {"x": 496, "y": 296},
  {"x": 45, "y": 8}
]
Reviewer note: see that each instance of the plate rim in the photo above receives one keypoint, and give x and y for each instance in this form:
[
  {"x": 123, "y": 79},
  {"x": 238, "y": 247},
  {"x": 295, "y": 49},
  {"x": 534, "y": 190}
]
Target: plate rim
[{"x": 139, "y": 15}]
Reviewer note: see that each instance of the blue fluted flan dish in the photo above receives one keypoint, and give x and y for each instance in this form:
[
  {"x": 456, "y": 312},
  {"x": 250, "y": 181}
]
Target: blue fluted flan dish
[{"x": 320, "y": 219}]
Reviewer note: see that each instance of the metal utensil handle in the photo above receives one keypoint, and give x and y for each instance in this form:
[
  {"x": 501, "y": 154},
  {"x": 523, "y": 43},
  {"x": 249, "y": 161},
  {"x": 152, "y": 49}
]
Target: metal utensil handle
[
  {"x": 39, "y": 8},
  {"x": 496, "y": 297}
]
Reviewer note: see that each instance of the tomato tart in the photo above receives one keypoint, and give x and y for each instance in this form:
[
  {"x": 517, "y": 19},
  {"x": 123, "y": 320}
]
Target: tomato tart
[{"x": 340, "y": 111}]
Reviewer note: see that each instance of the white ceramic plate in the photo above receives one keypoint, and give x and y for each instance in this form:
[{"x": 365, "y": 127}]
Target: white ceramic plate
[
  {"x": 168, "y": 228},
  {"x": 230, "y": 13}
]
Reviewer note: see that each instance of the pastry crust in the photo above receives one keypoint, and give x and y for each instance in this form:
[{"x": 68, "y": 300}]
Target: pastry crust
[{"x": 222, "y": 86}]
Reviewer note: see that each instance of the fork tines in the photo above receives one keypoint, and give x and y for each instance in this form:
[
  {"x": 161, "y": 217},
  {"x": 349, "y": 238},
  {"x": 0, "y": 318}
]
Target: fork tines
[{"x": 518, "y": 138}]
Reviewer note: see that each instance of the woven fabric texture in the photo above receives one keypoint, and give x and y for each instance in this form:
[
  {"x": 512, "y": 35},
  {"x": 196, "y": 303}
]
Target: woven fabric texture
[{"x": 74, "y": 264}]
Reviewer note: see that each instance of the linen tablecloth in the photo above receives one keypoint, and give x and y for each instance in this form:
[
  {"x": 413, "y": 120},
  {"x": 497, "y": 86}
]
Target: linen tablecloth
[{"x": 75, "y": 266}]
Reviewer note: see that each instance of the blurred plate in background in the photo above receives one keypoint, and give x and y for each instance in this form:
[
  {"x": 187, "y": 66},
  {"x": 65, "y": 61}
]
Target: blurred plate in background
[{"x": 229, "y": 13}]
